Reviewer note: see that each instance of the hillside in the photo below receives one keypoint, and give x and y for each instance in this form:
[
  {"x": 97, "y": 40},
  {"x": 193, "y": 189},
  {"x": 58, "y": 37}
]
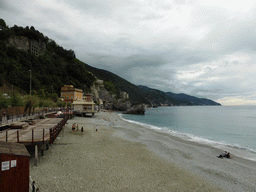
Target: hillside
[
  {"x": 193, "y": 100},
  {"x": 25, "y": 53},
  {"x": 25, "y": 49},
  {"x": 159, "y": 97},
  {"x": 136, "y": 96},
  {"x": 143, "y": 94}
]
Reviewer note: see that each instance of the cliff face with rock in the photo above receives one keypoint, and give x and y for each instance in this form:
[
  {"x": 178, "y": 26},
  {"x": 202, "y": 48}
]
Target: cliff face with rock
[
  {"x": 29, "y": 45},
  {"x": 108, "y": 100},
  {"x": 56, "y": 66},
  {"x": 137, "y": 110}
]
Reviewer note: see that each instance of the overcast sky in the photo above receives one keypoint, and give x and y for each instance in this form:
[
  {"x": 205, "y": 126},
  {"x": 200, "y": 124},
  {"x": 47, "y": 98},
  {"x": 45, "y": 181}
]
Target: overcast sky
[{"x": 204, "y": 48}]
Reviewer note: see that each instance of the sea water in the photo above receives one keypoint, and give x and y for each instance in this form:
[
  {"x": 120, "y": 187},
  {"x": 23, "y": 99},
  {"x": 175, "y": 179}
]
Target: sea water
[{"x": 231, "y": 128}]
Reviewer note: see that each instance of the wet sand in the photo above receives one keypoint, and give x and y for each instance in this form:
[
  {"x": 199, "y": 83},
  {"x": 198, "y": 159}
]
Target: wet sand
[{"x": 126, "y": 157}]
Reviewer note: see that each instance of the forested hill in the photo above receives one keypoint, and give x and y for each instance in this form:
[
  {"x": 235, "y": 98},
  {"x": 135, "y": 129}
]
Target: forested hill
[
  {"x": 25, "y": 53},
  {"x": 181, "y": 97},
  {"x": 52, "y": 66},
  {"x": 143, "y": 94},
  {"x": 156, "y": 97},
  {"x": 135, "y": 94}
]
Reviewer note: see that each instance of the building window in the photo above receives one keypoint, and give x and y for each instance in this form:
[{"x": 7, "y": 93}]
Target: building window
[{"x": 67, "y": 97}]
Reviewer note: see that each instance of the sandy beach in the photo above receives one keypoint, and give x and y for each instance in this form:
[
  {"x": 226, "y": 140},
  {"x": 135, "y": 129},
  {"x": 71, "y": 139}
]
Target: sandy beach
[{"x": 123, "y": 156}]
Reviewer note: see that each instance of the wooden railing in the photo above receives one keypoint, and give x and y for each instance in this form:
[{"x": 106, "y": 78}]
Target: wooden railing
[
  {"x": 54, "y": 132},
  {"x": 35, "y": 135}
]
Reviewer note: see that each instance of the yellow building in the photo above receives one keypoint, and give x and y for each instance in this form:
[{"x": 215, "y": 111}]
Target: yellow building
[{"x": 70, "y": 94}]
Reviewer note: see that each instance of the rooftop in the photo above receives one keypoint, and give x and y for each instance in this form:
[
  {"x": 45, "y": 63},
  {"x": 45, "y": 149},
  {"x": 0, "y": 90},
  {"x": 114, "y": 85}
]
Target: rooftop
[{"x": 13, "y": 149}]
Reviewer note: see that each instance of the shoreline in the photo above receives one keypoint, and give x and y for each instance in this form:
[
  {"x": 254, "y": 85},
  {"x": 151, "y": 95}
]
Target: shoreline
[
  {"x": 236, "y": 174},
  {"x": 234, "y": 149},
  {"x": 127, "y": 157}
]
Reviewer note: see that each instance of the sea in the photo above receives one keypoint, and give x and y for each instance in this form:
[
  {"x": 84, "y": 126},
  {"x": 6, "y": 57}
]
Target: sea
[{"x": 231, "y": 128}]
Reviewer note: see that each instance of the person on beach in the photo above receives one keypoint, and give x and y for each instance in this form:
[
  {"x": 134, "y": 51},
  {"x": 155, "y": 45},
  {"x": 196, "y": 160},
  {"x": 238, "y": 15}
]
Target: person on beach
[
  {"x": 73, "y": 127},
  {"x": 228, "y": 156},
  {"x": 222, "y": 154},
  {"x": 96, "y": 129},
  {"x": 82, "y": 129},
  {"x": 225, "y": 154}
]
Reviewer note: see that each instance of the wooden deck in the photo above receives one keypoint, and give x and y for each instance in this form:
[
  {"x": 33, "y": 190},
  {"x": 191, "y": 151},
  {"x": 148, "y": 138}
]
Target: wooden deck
[{"x": 40, "y": 132}]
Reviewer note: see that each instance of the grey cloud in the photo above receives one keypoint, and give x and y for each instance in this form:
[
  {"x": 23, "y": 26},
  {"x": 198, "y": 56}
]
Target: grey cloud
[
  {"x": 231, "y": 36},
  {"x": 97, "y": 8},
  {"x": 5, "y": 7},
  {"x": 136, "y": 41}
]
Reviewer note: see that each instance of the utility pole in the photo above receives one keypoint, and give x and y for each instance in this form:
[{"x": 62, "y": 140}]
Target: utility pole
[{"x": 30, "y": 83}]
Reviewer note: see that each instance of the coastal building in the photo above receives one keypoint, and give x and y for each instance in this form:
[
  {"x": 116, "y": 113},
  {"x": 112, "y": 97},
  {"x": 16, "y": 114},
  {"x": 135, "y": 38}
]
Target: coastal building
[
  {"x": 29, "y": 45},
  {"x": 84, "y": 106},
  {"x": 96, "y": 89},
  {"x": 71, "y": 94},
  {"x": 124, "y": 95},
  {"x": 99, "y": 82},
  {"x": 14, "y": 162}
]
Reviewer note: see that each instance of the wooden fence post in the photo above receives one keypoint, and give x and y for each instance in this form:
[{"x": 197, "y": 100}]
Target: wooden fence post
[
  {"x": 36, "y": 155},
  {"x": 42, "y": 150},
  {"x": 18, "y": 138},
  {"x": 43, "y": 136},
  {"x": 51, "y": 136},
  {"x": 32, "y": 136}
]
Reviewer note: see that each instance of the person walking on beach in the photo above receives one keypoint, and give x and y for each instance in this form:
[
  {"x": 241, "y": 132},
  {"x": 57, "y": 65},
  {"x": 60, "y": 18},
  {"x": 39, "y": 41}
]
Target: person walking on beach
[
  {"x": 4, "y": 117},
  {"x": 96, "y": 129},
  {"x": 82, "y": 129}
]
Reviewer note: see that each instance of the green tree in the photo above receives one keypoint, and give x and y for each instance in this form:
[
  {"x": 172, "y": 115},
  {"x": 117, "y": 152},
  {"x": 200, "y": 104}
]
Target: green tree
[
  {"x": 3, "y": 102},
  {"x": 31, "y": 104},
  {"x": 41, "y": 93},
  {"x": 54, "y": 97},
  {"x": 110, "y": 87},
  {"x": 60, "y": 103},
  {"x": 16, "y": 101},
  {"x": 2, "y": 24},
  {"x": 1, "y": 80}
]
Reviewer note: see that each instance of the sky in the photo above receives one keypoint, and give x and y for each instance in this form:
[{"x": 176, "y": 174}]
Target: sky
[{"x": 203, "y": 48}]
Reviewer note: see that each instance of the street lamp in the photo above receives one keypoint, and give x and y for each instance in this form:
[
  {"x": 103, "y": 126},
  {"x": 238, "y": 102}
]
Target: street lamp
[{"x": 30, "y": 83}]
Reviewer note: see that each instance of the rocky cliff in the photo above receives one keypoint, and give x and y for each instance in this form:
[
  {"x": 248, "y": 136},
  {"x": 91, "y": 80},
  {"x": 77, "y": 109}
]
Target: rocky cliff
[
  {"x": 108, "y": 100},
  {"x": 136, "y": 110},
  {"x": 28, "y": 45}
]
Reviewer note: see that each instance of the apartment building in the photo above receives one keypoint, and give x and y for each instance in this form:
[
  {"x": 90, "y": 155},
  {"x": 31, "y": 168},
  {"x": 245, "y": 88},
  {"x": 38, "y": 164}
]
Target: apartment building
[{"x": 71, "y": 94}]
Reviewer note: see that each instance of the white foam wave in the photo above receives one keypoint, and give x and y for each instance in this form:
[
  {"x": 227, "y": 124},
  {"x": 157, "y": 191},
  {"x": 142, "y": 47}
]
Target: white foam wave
[
  {"x": 237, "y": 149},
  {"x": 141, "y": 124}
]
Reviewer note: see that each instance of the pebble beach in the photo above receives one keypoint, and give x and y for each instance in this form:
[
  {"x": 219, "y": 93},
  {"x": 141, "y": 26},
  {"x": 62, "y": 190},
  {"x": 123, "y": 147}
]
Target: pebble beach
[{"x": 122, "y": 156}]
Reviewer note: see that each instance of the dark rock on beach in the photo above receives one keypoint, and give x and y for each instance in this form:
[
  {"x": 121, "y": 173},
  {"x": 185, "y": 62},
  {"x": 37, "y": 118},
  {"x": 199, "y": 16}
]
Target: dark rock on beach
[{"x": 137, "y": 110}]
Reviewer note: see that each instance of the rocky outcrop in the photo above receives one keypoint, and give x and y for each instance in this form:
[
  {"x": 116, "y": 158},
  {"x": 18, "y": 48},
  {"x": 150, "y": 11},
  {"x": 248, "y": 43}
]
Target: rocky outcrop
[
  {"x": 28, "y": 45},
  {"x": 137, "y": 110},
  {"x": 122, "y": 105},
  {"x": 110, "y": 101}
]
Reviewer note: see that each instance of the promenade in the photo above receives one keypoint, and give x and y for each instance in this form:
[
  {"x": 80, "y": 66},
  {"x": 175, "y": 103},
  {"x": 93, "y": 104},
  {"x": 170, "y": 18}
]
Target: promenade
[
  {"x": 35, "y": 132},
  {"x": 31, "y": 134}
]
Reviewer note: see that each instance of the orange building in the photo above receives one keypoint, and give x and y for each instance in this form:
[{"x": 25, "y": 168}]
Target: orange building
[{"x": 70, "y": 94}]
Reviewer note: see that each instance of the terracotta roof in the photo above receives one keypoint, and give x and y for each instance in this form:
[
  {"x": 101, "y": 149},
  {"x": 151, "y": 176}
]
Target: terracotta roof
[{"x": 13, "y": 149}]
